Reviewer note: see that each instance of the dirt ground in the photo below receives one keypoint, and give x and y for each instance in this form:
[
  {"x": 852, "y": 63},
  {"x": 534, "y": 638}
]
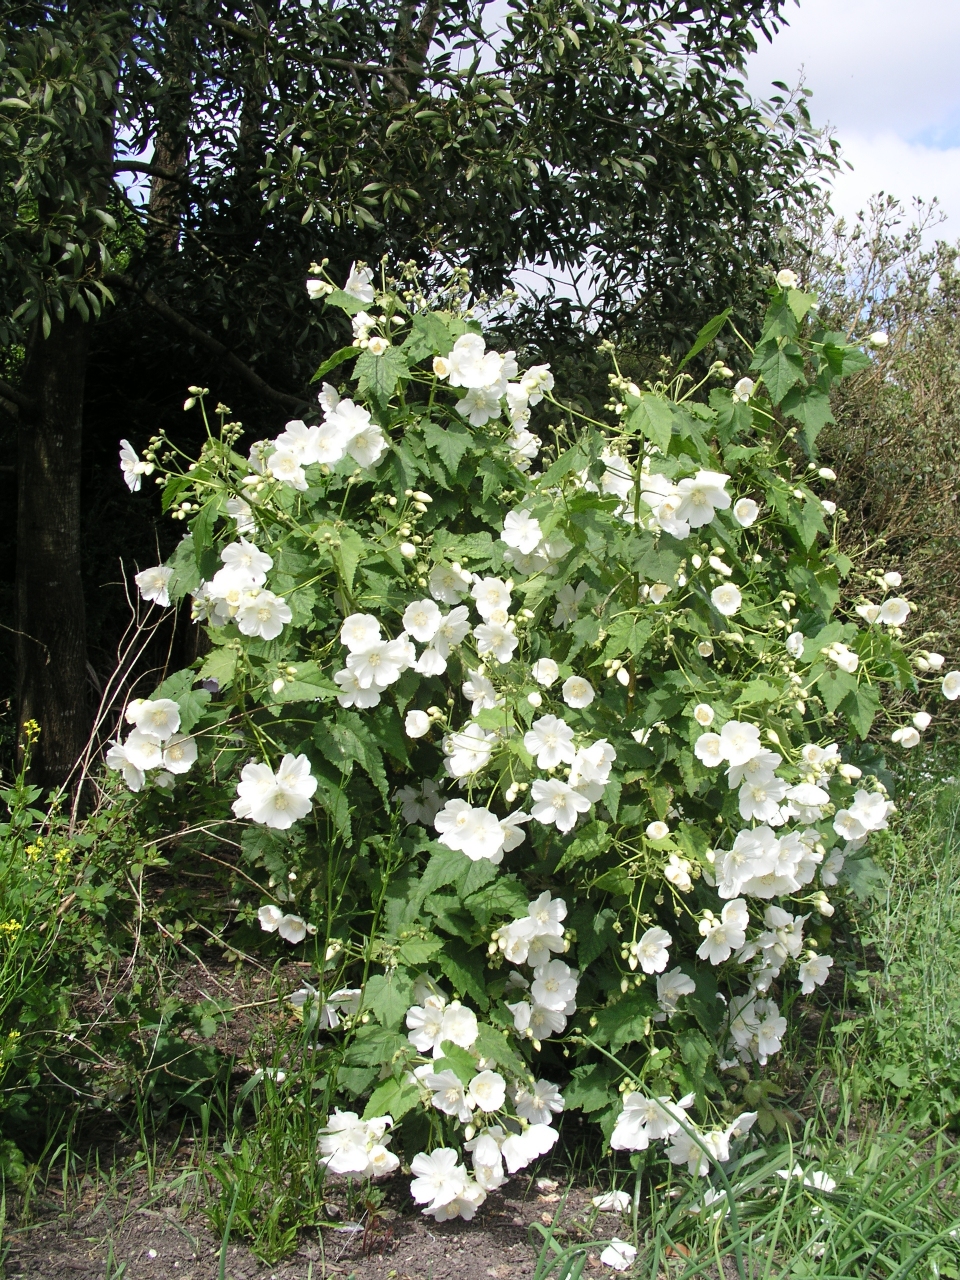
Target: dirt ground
[{"x": 109, "y": 1242}]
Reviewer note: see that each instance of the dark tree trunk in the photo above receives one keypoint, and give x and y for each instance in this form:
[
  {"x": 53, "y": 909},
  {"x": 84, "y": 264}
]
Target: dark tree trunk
[{"x": 51, "y": 639}]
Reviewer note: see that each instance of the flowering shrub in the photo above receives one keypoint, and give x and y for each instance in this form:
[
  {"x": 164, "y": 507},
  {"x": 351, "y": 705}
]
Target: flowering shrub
[{"x": 542, "y": 729}]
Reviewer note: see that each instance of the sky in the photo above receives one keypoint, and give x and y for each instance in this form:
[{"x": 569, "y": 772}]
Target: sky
[{"x": 884, "y": 78}]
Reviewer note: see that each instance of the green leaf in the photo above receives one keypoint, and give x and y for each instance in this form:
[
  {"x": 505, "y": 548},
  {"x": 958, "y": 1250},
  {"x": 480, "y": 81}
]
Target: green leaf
[
  {"x": 629, "y": 634},
  {"x": 504, "y": 897},
  {"x": 494, "y": 1045},
  {"x": 834, "y": 685},
  {"x": 348, "y": 555},
  {"x": 346, "y": 302},
  {"x": 186, "y": 571},
  {"x": 449, "y": 444},
  {"x": 464, "y": 967},
  {"x": 338, "y": 358},
  {"x": 377, "y": 376},
  {"x": 860, "y": 707},
  {"x": 780, "y": 369},
  {"x": 706, "y": 336},
  {"x": 595, "y": 932},
  {"x": 574, "y": 459},
  {"x": 592, "y": 1088},
  {"x": 757, "y": 691},
  {"x": 615, "y": 881},
  {"x": 220, "y": 665},
  {"x": 308, "y": 685},
  {"x": 592, "y": 841},
  {"x": 811, "y": 407},
  {"x": 732, "y": 418},
  {"x": 653, "y": 418},
  {"x": 458, "y": 1060},
  {"x": 429, "y": 336},
  {"x": 627, "y": 1020},
  {"x": 388, "y": 997},
  {"x": 391, "y": 1098},
  {"x": 415, "y": 952}
]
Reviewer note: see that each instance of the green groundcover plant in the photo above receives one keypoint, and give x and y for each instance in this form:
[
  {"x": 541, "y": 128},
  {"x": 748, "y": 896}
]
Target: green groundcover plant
[{"x": 543, "y": 745}]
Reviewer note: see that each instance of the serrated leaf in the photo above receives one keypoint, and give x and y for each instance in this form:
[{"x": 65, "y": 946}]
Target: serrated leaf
[
  {"x": 377, "y": 376},
  {"x": 346, "y": 302},
  {"x": 834, "y": 685},
  {"x": 462, "y": 965},
  {"x": 388, "y": 997},
  {"x": 391, "y": 1098},
  {"x": 861, "y": 707},
  {"x": 497, "y": 1048},
  {"x": 780, "y": 370},
  {"x": 626, "y": 1021},
  {"x": 653, "y": 419},
  {"x": 220, "y": 665},
  {"x": 449, "y": 443},
  {"x": 458, "y": 1060},
  {"x": 757, "y": 691},
  {"x": 591, "y": 842}
]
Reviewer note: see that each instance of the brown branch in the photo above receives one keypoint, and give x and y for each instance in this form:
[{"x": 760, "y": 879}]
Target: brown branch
[
  {"x": 204, "y": 339},
  {"x": 24, "y": 402},
  {"x": 154, "y": 170}
]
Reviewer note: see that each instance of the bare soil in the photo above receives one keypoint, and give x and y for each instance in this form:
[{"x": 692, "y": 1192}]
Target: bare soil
[{"x": 111, "y": 1240}]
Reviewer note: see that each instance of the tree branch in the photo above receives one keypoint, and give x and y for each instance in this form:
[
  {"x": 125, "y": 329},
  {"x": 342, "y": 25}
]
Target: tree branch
[
  {"x": 24, "y": 402},
  {"x": 154, "y": 170},
  {"x": 294, "y": 403}
]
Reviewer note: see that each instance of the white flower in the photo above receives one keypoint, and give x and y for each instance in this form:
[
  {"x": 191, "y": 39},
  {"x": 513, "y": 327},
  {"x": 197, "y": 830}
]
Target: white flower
[
  {"x": 658, "y": 592},
  {"x": 117, "y": 758},
  {"x": 708, "y": 749},
  {"x": 568, "y": 603},
  {"x": 522, "y": 531},
  {"x": 153, "y": 584},
  {"x": 557, "y": 803},
  {"x": 448, "y": 1095},
  {"x": 285, "y": 466},
  {"x": 536, "y": 381},
  {"x": 459, "y": 1025},
  {"x": 474, "y": 832},
  {"x": 703, "y": 713},
  {"x": 359, "y": 632},
  {"x": 453, "y": 629},
  {"x": 794, "y": 644},
  {"x": 179, "y": 753},
  {"x": 829, "y": 507},
  {"x": 950, "y": 686},
  {"x": 468, "y": 751},
  {"x": 487, "y": 1091},
  {"x": 644, "y": 1119},
  {"x": 657, "y": 830},
  {"x": 493, "y": 638},
  {"x": 590, "y": 771},
  {"x": 844, "y": 657},
  {"x": 275, "y": 800},
  {"x": 422, "y": 619},
  {"x": 677, "y": 872},
  {"x": 787, "y": 279},
  {"x": 906, "y": 736},
  {"x": 540, "y": 1103},
  {"x": 360, "y": 283},
  {"x": 743, "y": 390},
  {"x": 487, "y": 1162},
  {"x": 440, "y": 1178},
  {"x": 492, "y": 596},
  {"x": 922, "y": 720},
  {"x": 577, "y": 692},
  {"x": 701, "y": 497},
  {"x": 545, "y": 671},
  {"x": 524, "y": 445},
  {"x": 618, "y": 1254},
  {"x": 446, "y": 584},
  {"x": 814, "y": 972},
  {"x": 519, "y": 1149},
  {"x": 158, "y": 717},
  {"x": 263, "y": 614},
  {"x": 894, "y": 612},
  {"x": 869, "y": 612},
  {"x": 416, "y": 724},
  {"x": 554, "y": 986},
  {"x": 878, "y": 339},
  {"x": 726, "y": 599},
  {"x": 471, "y": 365},
  {"x": 380, "y": 665},
  {"x": 481, "y": 692},
  {"x": 745, "y": 512},
  {"x": 352, "y": 693},
  {"x": 739, "y": 742},
  {"x": 652, "y": 950},
  {"x": 612, "y": 1202},
  {"x": 513, "y": 837},
  {"x": 480, "y": 404},
  {"x": 670, "y": 987},
  {"x": 242, "y": 514},
  {"x": 550, "y": 741},
  {"x": 132, "y": 467},
  {"x": 723, "y": 936},
  {"x": 245, "y": 563},
  {"x": 420, "y": 804}
]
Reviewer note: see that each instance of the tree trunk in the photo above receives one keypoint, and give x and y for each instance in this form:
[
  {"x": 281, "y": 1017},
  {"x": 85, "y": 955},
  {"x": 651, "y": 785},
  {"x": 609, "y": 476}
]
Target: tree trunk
[{"x": 51, "y": 637}]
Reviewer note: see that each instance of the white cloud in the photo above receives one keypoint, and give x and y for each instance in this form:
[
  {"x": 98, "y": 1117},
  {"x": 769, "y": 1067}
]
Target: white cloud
[{"x": 883, "y": 76}]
